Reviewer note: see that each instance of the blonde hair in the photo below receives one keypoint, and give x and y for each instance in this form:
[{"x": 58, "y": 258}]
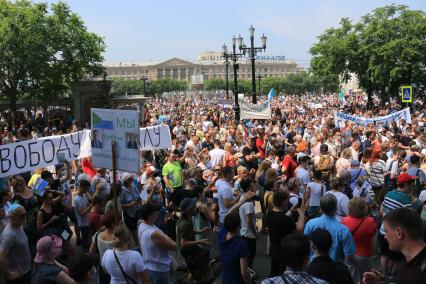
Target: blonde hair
[
  {"x": 347, "y": 154},
  {"x": 241, "y": 169},
  {"x": 17, "y": 180},
  {"x": 357, "y": 207},
  {"x": 263, "y": 167},
  {"x": 121, "y": 236}
]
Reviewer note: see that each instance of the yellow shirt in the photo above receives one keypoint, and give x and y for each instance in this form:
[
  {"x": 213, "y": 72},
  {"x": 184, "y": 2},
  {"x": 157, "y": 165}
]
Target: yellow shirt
[{"x": 33, "y": 179}]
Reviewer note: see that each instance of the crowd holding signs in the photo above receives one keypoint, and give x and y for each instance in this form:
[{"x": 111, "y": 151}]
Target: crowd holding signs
[{"x": 327, "y": 179}]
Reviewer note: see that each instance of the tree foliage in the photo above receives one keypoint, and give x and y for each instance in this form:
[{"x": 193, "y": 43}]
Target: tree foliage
[
  {"x": 135, "y": 87},
  {"x": 292, "y": 84},
  {"x": 43, "y": 50},
  {"x": 216, "y": 84},
  {"x": 385, "y": 49}
]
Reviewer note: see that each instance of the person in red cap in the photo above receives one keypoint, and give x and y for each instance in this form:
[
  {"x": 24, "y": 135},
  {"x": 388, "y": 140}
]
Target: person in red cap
[{"x": 397, "y": 198}]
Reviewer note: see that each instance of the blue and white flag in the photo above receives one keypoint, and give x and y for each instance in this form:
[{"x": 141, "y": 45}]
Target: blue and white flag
[{"x": 271, "y": 94}]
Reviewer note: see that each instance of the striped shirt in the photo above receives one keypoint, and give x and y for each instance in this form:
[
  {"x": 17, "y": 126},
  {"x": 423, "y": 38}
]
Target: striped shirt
[
  {"x": 393, "y": 200},
  {"x": 377, "y": 172}
]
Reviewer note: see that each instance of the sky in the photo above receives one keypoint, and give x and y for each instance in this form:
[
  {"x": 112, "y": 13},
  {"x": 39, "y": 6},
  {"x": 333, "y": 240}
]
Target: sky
[{"x": 155, "y": 30}]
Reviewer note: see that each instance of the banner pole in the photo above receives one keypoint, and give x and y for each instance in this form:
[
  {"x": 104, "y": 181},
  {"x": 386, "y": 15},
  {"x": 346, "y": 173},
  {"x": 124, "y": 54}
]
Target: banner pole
[{"x": 114, "y": 179}]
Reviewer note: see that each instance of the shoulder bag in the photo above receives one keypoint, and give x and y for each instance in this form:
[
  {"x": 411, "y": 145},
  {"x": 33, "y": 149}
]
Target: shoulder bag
[{"x": 127, "y": 277}]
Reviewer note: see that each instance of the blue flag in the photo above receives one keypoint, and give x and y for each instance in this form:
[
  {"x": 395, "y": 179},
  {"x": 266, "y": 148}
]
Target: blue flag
[{"x": 271, "y": 94}]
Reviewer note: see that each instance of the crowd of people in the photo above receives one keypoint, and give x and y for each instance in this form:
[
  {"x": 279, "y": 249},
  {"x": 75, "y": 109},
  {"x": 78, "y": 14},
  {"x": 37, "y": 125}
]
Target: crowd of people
[{"x": 336, "y": 203}]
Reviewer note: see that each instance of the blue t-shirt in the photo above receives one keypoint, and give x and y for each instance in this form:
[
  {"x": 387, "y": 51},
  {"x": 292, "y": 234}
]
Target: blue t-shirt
[
  {"x": 343, "y": 244},
  {"x": 230, "y": 253}
]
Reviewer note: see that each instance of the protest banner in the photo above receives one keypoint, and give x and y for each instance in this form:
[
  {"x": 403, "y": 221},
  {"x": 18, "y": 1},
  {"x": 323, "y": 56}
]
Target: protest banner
[
  {"x": 340, "y": 118},
  {"x": 155, "y": 137},
  {"x": 28, "y": 155},
  {"x": 258, "y": 111},
  {"x": 226, "y": 103},
  {"x": 122, "y": 127}
]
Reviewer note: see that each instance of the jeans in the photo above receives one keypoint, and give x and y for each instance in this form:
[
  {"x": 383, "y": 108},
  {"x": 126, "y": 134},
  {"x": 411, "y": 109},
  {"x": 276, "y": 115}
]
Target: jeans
[
  {"x": 85, "y": 238},
  {"x": 251, "y": 245},
  {"x": 158, "y": 277}
]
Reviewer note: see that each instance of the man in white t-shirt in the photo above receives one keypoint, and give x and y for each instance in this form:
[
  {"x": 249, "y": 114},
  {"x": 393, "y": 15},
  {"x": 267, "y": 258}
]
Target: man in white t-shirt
[
  {"x": 302, "y": 173},
  {"x": 225, "y": 192},
  {"x": 217, "y": 154},
  {"x": 248, "y": 220},
  {"x": 194, "y": 144}
]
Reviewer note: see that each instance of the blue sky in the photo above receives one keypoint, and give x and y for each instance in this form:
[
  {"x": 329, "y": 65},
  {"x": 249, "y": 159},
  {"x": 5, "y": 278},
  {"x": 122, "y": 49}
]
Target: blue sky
[{"x": 143, "y": 30}]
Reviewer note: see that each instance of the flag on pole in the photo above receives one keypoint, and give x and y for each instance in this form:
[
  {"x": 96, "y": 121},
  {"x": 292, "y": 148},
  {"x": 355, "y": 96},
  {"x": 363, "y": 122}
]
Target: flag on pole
[{"x": 271, "y": 94}]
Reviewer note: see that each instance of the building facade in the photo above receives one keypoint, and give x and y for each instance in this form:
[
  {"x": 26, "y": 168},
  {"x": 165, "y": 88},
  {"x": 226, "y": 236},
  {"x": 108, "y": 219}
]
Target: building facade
[{"x": 209, "y": 65}]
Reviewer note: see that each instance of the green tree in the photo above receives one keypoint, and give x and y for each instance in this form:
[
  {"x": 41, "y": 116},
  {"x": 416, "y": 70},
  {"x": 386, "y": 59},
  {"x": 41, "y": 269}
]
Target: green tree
[
  {"x": 42, "y": 51},
  {"x": 129, "y": 87},
  {"x": 168, "y": 85},
  {"x": 135, "y": 87},
  {"x": 216, "y": 84},
  {"x": 385, "y": 49}
]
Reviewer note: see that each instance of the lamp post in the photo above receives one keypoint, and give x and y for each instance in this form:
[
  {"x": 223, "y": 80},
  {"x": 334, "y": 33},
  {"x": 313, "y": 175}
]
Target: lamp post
[
  {"x": 234, "y": 57},
  {"x": 259, "y": 76},
  {"x": 252, "y": 50},
  {"x": 144, "y": 79},
  {"x": 226, "y": 56}
]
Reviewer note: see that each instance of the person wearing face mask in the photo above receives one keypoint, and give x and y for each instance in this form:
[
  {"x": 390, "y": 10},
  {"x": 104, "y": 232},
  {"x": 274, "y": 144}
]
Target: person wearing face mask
[
  {"x": 156, "y": 246},
  {"x": 47, "y": 269}
]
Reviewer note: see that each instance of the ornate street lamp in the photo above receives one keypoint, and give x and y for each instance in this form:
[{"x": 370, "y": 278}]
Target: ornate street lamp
[{"x": 252, "y": 51}]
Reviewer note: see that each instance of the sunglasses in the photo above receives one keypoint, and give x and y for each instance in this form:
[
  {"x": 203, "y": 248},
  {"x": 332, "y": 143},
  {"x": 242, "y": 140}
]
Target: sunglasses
[
  {"x": 217, "y": 170},
  {"x": 22, "y": 215}
]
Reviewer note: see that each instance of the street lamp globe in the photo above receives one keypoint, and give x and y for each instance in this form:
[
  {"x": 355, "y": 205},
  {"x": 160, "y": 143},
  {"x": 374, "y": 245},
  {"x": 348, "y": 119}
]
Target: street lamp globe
[
  {"x": 263, "y": 39},
  {"x": 224, "y": 49},
  {"x": 240, "y": 41},
  {"x": 251, "y": 30}
]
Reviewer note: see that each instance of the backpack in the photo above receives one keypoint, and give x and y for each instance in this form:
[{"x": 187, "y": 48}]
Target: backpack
[
  {"x": 390, "y": 184},
  {"x": 324, "y": 165},
  {"x": 417, "y": 184}
]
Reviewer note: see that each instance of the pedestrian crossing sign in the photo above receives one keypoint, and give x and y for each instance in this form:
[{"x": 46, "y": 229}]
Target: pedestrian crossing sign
[{"x": 407, "y": 94}]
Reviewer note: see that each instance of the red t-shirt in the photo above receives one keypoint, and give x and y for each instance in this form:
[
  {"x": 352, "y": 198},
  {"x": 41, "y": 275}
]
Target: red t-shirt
[
  {"x": 259, "y": 144},
  {"x": 364, "y": 235},
  {"x": 290, "y": 164}
]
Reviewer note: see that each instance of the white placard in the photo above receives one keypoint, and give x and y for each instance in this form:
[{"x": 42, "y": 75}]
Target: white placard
[
  {"x": 121, "y": 126},
  {"x": 155, "y": 137}
]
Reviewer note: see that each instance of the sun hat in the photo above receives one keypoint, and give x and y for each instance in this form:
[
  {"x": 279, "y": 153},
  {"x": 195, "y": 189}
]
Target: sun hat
[{"x": 48, "y": 247}]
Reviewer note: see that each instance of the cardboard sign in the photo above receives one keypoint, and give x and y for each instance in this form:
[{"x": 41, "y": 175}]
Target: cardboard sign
[
  {"x": 155, "y": 137},
  {"x": 121, "y": 126}
]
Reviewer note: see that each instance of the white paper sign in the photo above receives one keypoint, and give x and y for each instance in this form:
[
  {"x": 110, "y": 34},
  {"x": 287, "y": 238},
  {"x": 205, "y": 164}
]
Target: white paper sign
[
  {"x": 155, "y": 137},
  {"x": 122, "y": 126},
  {"x": 31, "y": 154}
]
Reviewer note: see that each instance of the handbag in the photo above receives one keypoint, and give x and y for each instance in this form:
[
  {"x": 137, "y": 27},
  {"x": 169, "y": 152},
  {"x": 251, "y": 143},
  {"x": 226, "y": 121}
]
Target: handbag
[{"x": 127, "y": 277}]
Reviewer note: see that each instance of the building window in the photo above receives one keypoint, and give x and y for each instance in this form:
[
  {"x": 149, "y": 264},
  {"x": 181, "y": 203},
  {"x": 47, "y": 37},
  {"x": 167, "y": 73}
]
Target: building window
[{"x": 159, "y": 73}]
